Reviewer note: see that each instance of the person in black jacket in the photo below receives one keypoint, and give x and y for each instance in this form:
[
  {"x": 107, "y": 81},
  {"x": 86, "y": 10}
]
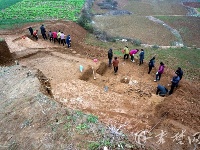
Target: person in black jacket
[
  {"x": 30, "y": 30},
  {"x": 175, "y": 80},
  {"x": 110, "y": 56},
  {"x": 43, "y": 32},
  {"x": 151, "y": 64},
  {"x": 179, "y": 72}
]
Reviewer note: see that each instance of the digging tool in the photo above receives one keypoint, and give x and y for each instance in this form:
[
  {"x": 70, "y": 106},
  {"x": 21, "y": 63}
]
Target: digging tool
[{"x": 93, "y": 73}]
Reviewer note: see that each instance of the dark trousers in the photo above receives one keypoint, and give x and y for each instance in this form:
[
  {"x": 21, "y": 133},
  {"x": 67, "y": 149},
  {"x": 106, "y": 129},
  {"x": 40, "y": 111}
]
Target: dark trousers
[
  {"x": 68, "y": 45},
  {"x": 44, "y": 36},
  {"x": 172, "y": 88},
  {"x": 115, "y": 69},
  {"x": 141, "y": 61},
  {"x": 55, "y": 39},
  {"x": 59, "y": 40},
  {"x": 132, "y": 57},
  {"x": 63, "y": 41},
  {"x": 150, "y": 68},
  {"x": 51, "y": 39},
  {"x": 35, "y": 36},
  {"x": 158, "y": 76},
  {"x": 109, "y": 62},
  {"x": 126, "y": 56}
]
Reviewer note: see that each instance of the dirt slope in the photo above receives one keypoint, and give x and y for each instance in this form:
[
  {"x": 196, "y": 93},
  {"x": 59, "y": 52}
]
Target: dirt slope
[{"x": 129, "y": 102}]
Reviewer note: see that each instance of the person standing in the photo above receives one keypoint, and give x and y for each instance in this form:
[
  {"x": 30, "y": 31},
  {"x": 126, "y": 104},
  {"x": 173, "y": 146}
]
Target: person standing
[
  {"x": 132, "y": 53},
  {"x": 58, "y": 36},
  {"x": 62, "y": 37},
  {"x": 35, "y": 34},
  {"x": 30, "y": 30},
  {"x": 115, "y": 65},
  {"x": 43, "y": 32},
  {"x": 141, "y": 56},
  {"x": 179, "y": 72},
  {"x": 68, "y": 41},
  {"x": 175, "y": 80},
  {"x": 110, "y": 56},
  {"x": 151, "y": 64},
  {"x": 160, "y": 71},
  {"x": 50, "y": 35},
  {"x": 54, "y": 36},
  {"x": 126, "y": 52},
  {"x": 161, "y": 90}
]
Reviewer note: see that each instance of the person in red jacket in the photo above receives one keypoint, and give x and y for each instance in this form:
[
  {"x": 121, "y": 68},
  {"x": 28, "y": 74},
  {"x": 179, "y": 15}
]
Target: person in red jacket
[
  {"x": 115, "y": 65},
  {"x": 54, "y": 36},
  {"x": 35, "y": 34},
  {"x": 160, "y": 71},
  {"x": 132, "y": 53}
]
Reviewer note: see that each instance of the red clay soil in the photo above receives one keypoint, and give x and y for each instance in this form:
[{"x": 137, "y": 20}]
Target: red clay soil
[
  {"x": 5, "y": 55},
  {"x": 183, "y": 106}
]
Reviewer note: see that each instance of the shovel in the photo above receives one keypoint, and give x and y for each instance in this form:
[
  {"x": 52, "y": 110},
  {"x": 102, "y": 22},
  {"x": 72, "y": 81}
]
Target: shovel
[{"x": 93, "y": 73}]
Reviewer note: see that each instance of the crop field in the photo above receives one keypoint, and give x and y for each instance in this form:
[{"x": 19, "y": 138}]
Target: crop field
[
  {"x": 16, "y": 10},
  {"x": 137, "y": 26},
  {"x": 187, "y": 26}
]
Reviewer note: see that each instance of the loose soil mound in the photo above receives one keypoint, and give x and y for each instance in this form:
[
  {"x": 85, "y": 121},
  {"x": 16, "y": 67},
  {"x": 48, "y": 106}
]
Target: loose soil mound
[
  {"x": 5, "y": 55},
  {"x": 183, "y": 106}
]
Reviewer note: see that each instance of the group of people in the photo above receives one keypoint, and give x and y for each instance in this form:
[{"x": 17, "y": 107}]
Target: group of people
[
  {"x": 53, "y": 36},
  {"x": 161, "y": 90}
]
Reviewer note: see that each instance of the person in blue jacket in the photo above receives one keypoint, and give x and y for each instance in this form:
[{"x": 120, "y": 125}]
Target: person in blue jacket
[
  {"x": 43, "y": 32},
  {"x": 175, "y": 80},
  {"x": 179, "y": 72},
  {"x": 141, "y": 56},
  {"x": 68, "y": 41},
  {"x": 161, "y": 90}
]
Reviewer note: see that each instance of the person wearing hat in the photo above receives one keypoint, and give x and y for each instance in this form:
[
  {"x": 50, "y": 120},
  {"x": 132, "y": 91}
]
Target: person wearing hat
[
  {"x": 110, "y": 56},
  {"x": 175, "y": 80}
]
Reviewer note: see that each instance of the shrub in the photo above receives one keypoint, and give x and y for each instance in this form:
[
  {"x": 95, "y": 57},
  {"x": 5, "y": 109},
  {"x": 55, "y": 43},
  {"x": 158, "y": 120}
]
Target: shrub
[
  {"x": 155, "y": 46},
  {"x": 137, "y": 42}
]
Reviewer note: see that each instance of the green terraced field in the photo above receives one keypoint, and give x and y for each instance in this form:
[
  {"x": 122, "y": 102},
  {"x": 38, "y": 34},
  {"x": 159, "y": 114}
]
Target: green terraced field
[
  {"x": 6, "y": 3},
  {"x": 41, "y": 9}
]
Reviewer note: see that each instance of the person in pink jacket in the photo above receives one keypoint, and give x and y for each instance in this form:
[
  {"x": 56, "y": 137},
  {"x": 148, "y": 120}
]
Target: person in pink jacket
[
  {"x": 132, "y": 53},
  {"x": 54, "y": 36},
  {"x": 160, "y": 71}
]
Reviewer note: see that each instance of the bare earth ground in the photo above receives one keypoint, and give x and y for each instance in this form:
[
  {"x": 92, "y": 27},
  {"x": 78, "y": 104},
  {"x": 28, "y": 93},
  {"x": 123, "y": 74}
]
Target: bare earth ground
[
  {"x": 131, "y": 103},
  {"x": 137, "y": 26}
]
